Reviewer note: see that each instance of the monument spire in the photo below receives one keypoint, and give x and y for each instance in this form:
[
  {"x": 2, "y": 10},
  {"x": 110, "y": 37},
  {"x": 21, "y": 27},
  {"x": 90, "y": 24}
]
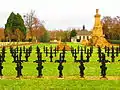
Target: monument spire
[
  {"x": 97, "y": 29},
  {"x": 97, "y": 11},
  {"x": 97, "y": 19},
  {"x": 97, "y": 32}
]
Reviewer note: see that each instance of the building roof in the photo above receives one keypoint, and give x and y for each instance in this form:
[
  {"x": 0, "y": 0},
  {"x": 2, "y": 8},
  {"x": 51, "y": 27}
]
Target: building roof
[{"x": 84, "y": 32}]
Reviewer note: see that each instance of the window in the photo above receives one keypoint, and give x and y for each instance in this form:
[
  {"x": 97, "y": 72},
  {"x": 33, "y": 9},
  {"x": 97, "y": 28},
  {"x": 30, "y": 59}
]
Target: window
[
  {"x": 87, "y": 37},
  {"x": 83, "y": 37},
  {"x": 80, "y": 37},
  {"x": 78, "y": 40}
]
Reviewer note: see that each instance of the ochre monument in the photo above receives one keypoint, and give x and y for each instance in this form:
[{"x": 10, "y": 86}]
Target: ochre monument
[
  {"x": 61, "y": 46},
  {"x": 97, "y": 36}
]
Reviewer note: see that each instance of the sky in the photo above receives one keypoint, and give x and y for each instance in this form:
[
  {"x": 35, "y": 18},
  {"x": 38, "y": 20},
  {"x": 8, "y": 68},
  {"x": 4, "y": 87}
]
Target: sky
[{"x": 61, "y": 14}]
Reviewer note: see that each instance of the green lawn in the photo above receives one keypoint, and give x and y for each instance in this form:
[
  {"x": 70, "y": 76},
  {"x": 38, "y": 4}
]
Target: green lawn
[
  {"x": 50, "y": 79},
  {"x": 56, "y": 84}
]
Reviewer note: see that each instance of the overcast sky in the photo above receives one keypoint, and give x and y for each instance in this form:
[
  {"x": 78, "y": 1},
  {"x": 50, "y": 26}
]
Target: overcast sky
[{"x": 61, "y": 14}]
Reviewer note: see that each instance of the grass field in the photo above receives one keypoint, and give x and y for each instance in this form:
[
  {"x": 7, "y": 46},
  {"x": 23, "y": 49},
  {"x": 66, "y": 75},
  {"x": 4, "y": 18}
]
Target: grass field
[{"x": 50, "y": 80}]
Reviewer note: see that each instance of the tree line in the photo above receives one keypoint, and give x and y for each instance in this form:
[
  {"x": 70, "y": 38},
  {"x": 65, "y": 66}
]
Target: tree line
[
  {"x": 30, "y": 28},
  {"x": 111, "y": 27}
]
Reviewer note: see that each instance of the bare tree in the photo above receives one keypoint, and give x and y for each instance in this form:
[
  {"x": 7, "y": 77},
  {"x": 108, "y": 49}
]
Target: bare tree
[
  {"x": 34, "y": 25},
  {"x": 29, "y": 21}
]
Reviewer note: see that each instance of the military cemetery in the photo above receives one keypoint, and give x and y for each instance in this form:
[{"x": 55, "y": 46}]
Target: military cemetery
[{"x": 32, "y": 57}]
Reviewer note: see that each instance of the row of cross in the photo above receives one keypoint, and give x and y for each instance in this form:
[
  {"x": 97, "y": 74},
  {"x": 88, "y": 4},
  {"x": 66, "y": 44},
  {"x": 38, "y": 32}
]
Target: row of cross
[{"x": 17, "y": 54}]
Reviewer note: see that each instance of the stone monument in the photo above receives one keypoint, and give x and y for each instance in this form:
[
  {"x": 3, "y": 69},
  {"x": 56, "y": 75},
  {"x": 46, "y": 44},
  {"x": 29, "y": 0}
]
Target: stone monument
[
  {"x": 61, "y": 46},
  {"x": 97, "y": 36}
]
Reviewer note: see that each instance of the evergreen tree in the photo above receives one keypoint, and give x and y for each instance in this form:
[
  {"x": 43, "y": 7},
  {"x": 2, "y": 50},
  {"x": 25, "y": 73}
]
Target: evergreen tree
[
  {"x": 14, "y": 22},
  {"x": 20, "y": 23},
  {"x": 73, "y": 33}
]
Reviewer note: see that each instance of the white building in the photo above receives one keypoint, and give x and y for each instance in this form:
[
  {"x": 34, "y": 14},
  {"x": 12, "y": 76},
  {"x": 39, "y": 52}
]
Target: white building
[{"x": 81, "y": 35}]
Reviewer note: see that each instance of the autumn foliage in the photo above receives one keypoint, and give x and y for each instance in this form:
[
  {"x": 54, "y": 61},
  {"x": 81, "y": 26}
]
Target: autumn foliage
[
  {"x": 37, "y": 31},
  {"x": 2, "y": 36}
]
